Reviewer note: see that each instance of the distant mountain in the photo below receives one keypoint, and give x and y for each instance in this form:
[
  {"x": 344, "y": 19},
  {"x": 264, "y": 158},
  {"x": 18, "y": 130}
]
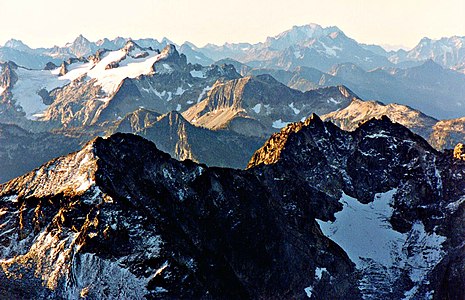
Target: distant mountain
[
  {"x": 429, "y": 87},
  {"x": 258, "y": 105},
  {"x": 444, "y": 134},
  {"x": 302, "y": 46},
  {"x": 81, "y": 47},
  {"x": 106, "y": 86},
  {"x": 360, "y": 111},
  {"x": 194, "y": 56},
  {"x": 449, "y": 52},
  {"x": 174, "y": 135}
]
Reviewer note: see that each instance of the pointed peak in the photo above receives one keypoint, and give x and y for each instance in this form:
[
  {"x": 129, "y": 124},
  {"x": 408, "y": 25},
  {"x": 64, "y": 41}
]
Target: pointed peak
[
  {"x": 131, "y": 45},
  {"x": 16, "y": 44},
  {"x": 169, "y": 50},
  {"x": 80, "y": 38}
]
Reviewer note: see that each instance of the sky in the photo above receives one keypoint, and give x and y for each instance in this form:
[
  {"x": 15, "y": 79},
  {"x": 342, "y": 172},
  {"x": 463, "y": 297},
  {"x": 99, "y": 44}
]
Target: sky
[{"x": 393, "y": 22}]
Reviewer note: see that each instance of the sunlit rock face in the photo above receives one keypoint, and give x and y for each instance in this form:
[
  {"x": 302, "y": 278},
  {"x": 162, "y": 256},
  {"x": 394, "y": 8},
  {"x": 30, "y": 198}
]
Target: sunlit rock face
[{"x": 121, "y": 219}]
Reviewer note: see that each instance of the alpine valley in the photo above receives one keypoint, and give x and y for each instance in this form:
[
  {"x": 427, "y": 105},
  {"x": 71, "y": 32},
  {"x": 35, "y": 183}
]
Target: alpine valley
[{"x": 305, "y": 166}]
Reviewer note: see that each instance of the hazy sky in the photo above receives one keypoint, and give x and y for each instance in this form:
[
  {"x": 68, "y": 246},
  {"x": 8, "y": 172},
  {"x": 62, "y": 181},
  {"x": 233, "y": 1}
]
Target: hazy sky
[{"x": 395, "y": 22}]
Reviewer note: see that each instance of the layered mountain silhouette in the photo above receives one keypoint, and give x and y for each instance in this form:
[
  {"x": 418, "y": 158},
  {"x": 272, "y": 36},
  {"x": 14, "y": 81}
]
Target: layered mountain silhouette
[{"x": 121, "y": 219}]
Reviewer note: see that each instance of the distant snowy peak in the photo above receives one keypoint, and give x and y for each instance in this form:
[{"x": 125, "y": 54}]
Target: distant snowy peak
[
  {"x": 30, "y": 89},
  {"x": 300, "y": 34},
  {"x": 18, "y": 45},
  {"x": 448, "y": 52}
]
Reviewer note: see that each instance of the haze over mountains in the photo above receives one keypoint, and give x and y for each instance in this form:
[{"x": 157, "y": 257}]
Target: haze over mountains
[
  {"x": 310, "y": 56},
  {"x": 303, "y": 70},
  {"x": 141, "y": 169}
]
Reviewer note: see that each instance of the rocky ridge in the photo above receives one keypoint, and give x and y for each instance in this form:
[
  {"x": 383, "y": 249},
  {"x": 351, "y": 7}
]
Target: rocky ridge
[
  {"x": 122, "y": 207},
  {"x": 258, "y": 105},
  {"x": 444, "y": 134}
]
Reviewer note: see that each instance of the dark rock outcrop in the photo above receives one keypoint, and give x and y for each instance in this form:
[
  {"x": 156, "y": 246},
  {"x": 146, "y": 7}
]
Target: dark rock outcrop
[{"x": 121, "y": 219}]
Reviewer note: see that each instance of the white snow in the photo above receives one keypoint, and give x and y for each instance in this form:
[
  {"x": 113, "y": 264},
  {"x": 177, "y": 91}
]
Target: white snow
[
  {"x": 319, "y": 273},
  {"x": 298, "y": 54},
  {"x": 309, "y": 291},
  {"x": 332, "y": 100},
  {"x": 453, "y": 206},
  {"x": 358, "y": 227},
  {"x": 167, "y": 67},
  {"x": 278, "y": 124},
  {"x": 110, "y": 79},
  {"x": 257, "y": 108},
  {"x": 318, "y": 276},
  {"x": 378, "y": 251},
  {"x": 12, "y": 198},
  {"x": 29, "y": 83},
  {"x": 178, "y": 107},
  {"x": 198, "y": 74},
  {"x": 296, "y": 111},
  {"x": 179, "y": 91},
  {"x": 330, "y": 51},
  {"x": 76, "y": 70},
  {"x": 203, "y": 93}
]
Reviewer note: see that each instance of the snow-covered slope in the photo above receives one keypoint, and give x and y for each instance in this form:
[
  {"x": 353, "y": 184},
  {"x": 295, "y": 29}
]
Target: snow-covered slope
[
  {"x": 108, "y": 71},
  {"x": 132, "y": 76},
  {"x": 447, "y": 51},
  {"x": 380, "y": 252}
]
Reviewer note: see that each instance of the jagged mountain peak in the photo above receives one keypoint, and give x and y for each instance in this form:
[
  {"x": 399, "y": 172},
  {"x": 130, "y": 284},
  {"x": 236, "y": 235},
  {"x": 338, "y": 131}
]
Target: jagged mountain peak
[
  {"x": 359, "y": 111},
  {"x": 170, "y": 49},
  {"x": 17, "y": 44},
  {"x": 69, "y": 175},
  {"x": 301, "y": 34},
  {"x": 315, "y": 128},
  {"x": 80, "y": 40}
]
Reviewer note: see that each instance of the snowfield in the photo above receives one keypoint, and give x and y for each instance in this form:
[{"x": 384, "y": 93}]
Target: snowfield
[{"x": 363, "y": 231}]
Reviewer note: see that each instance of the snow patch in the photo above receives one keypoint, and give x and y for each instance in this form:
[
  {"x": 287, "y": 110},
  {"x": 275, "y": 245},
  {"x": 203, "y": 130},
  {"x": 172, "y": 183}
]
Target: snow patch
[
  {"x": 296, "y": 111},
  {"x": 334, "y": 101},
  {"x": 110, "y": 79},
  {"x": 278, "y": 124},
  {"x": 319, "y": 273},
  {"x": 203, "y": 93},
  {"x": 198, "y": 74},
  {"x": 309, "y": 291},
  {"x": 378, "y": 251},
  {"x": 360, "y": 226},
  {"x": 257, "y": 108},
  {"x": 179, "y": 91},
  {"x": 25, "y": 90}
]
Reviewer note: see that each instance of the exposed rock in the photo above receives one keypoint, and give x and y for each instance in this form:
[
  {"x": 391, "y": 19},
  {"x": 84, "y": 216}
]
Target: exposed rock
[
  {"x": 270, "y": 104},
  {"x": 150, "y": 226},
  {"x": 174, "y": 135},
  {"x": 459, "y": 152}
]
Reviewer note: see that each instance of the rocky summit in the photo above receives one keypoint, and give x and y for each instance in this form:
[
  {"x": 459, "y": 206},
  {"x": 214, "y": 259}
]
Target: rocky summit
[{"x": 323, "y": 213}]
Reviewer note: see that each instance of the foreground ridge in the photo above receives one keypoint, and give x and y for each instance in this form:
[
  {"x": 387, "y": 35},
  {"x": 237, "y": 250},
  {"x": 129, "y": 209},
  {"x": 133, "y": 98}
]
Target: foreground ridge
[{"x": 121, "y": 219}]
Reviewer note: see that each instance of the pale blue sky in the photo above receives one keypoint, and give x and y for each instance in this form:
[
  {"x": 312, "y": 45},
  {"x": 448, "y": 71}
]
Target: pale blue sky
[{"x": 395, "y": 22}]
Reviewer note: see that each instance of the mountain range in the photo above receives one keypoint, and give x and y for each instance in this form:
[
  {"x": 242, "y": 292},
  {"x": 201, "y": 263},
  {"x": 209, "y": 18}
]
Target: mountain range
[
  {"x": 308, "y": 57},
  {"x": 121, "y": 219},
  {"x": 141, "y": 169}
]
